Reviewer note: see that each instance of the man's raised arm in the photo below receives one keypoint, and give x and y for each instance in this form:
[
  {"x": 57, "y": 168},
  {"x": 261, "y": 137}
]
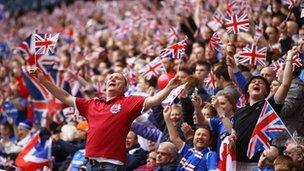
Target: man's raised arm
[
  {"x": 59, "y": 93},
  {"x": 161, "y": 95}
]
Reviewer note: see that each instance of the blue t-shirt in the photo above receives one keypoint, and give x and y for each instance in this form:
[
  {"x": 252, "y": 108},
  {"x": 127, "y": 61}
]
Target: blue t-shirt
[
  {"x": 203, "y": 160},
  {"x": 217, "y": 125},
  {"x": 78, "y": 160},
  {"x": 11, "y": 110}
]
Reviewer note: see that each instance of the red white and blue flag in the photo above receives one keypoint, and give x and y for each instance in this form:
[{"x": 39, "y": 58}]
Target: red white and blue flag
[
  {"x": 215, "y": 42},
  {"x": 154, "y": 68},
  {"x": 253, "y": 55},
  {"x": 289, "y": 3},
  {"x": 236, "y": 7},
  {"x": 46, "y": 107},
  {"x": 227, "y": 157},
  {"x": 35, "y": 155},
  {"x": 175, "y": 51},
  {"x": 268, "y": 126},
  {"x": 237, "y": 23},
  {"x": 276, "y": 65},
  {"x": 210, "y": 83},
  {"x": 173, "y": 94},
  {"x": 296, "y": 61},
  {"x": 45, "y": 43},
  {"x": 259, "y": 31}
]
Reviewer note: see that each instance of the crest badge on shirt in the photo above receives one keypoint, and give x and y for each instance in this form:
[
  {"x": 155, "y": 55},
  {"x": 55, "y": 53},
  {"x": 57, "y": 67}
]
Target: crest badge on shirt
[{"x": 115, "y": 108}]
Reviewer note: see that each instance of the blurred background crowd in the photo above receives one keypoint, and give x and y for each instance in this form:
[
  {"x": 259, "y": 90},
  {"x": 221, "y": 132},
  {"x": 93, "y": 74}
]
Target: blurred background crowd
[{"x": 102, "y": 36}]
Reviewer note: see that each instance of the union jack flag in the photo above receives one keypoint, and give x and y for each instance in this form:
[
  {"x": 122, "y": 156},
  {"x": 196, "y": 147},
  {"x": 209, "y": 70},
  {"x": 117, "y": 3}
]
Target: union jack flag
[
  {"x": 218, "y": 16},
  {"x": 289, "y": 3},
  {"x": 296, "y": 61},
  {"x": 172, "y": 34},
  {"x": 236, "y": 7},
  {"x": 227, "y": 157},
  {"x": 45, "y": 43},
  {"x": 173, "y": 94},
  {"x": 253, "y": 55},
  {"x": 36, "y": 154},
  {"x": 268, "y": 126},
  {"x": 276, "y": 65},
  {"x": 237, "y": 23},
  {"x": 175, "y": 51},
  {"x": 46, "y": 107},
  {"x": 215, "y": 42},
  {"x": 122, "y": 31},
  {"x": 259, "y": 30},
  {"x": 131, "y": 75},
  {"x": 241, "y": 101},
  {"x": 154, "y": 68},
  {"x": 210, "y": 83}
]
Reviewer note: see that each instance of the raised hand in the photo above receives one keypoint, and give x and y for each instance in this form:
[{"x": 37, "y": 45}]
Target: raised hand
[
  {"x": 35, "y": 72},
  {"x": 197, "y": 101},
  {"x": 174, "y": 82},
  {"x": 167, "y": 112}
]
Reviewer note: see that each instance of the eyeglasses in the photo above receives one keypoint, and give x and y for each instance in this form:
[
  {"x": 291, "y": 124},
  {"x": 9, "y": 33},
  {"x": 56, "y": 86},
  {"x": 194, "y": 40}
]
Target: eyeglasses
[{"x": 162, "y": 153}]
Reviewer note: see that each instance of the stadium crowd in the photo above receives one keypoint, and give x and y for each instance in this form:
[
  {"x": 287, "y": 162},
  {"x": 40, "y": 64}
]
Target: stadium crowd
[{"x": 231, "y": 75}]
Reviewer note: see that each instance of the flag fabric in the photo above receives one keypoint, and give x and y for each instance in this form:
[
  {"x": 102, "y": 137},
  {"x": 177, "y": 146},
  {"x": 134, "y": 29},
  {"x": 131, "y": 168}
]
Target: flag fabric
[
  {"x": 218, "y": 16},
  {"x": 227, "y": 156},
  {"x": 172, "y": 34},
  {"x": 237, "y": 23},
  {"x": 131, "y": 75},
  {"x": 175, "y": 51},
  {"x": 46, "y": 107},
  {"x": 153, "y": 68},
  {"x": 210, "y": 83},
  {"x": 276, "y": 65},
  {"x": 253, "y": 55},
  {"x": 268, "y": 126},
  {"x": 122, "y": 31},
  {"x": 236, "y": 7},
  {"x": 259, "y": 31},
  {"x": 289, "y": 3},
  {"x": 173, "y": 94},
  {"x": 36, "y": 154},
  {"x": 215, "y": 42},
  {"x": 45, "y": 43},
  {"x": 302, "y": 10},
  {"x": 241, "y": 101},
  {"x": 71, "y": 114},
  {"x": 296, "y": 61}
]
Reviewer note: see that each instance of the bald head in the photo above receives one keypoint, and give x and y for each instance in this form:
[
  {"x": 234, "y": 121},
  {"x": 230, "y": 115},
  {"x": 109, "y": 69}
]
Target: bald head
[{"x": 268, "y": 73}]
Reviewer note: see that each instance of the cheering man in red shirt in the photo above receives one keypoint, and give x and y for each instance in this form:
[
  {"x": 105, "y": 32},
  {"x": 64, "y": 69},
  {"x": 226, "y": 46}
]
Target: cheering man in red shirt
[{"x": 109, "y": 119}]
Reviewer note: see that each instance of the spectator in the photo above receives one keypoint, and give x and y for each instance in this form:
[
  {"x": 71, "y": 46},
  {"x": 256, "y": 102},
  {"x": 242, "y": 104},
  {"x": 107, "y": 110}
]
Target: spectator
[
  {"x": 296, "y": 152},
  {"x": 150, "y": 163},
  {"x": 257, "y": 90},
  {"x": 199, "y": 157},
  {"x": 283, "y": 162},
  {"x": 108, "y": 154},
  {"x": 167, "y": 157},
  {"x": 136, "y": 155},
  {"x": 267, "y": 158}
]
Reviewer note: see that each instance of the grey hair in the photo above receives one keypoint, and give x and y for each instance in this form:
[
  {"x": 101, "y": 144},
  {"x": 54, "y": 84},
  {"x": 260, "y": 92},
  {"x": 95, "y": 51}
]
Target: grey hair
[{"x": 172, "y": 149}]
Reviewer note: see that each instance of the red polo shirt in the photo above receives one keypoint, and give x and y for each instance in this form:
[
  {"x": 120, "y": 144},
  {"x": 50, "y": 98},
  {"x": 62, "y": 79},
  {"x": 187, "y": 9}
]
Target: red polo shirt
[{"x": 109, "y": 124}]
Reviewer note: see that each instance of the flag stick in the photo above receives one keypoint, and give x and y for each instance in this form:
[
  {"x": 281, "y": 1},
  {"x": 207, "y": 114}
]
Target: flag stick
[
  {"x": 179, "y": 64},
  {"x": 285, "y": 127},
  {"x": 289, "y": 132},
  {"x": 289, "y": 14}
]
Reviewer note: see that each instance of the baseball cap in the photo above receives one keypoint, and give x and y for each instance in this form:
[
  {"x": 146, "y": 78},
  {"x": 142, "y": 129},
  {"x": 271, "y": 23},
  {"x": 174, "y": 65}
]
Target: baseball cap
[{"x": 264, "y": 80}]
